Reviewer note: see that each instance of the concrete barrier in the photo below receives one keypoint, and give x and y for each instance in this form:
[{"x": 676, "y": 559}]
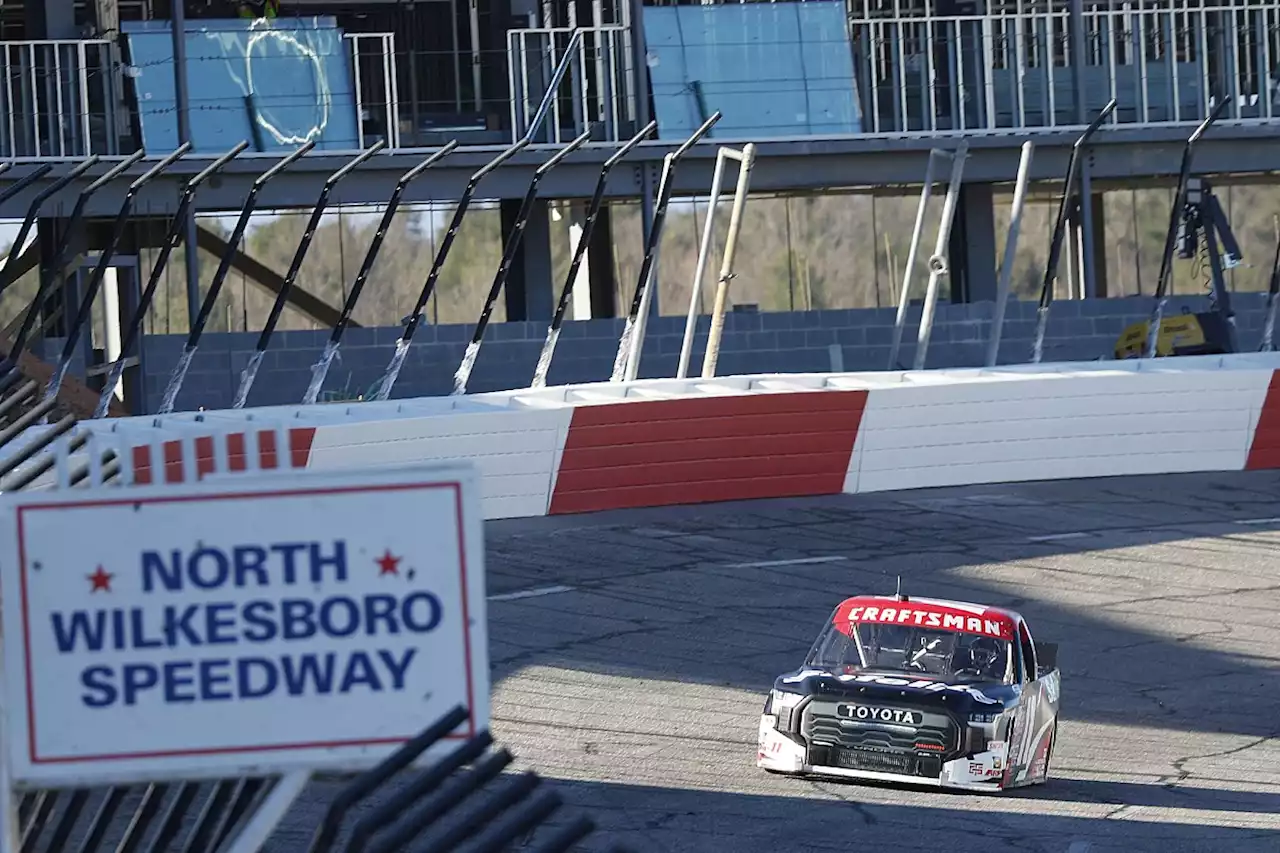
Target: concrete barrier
[{"x": 583, "y": 448}]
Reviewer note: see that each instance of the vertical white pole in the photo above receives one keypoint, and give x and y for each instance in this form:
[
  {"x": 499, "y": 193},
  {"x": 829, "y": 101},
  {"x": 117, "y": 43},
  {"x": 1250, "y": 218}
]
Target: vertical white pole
[
  {"x": 111, "y": 318},
  {"x": 581, "y": 281},
  {"x": 726, "y": 266},
  {"x": 700, "y": 269}
]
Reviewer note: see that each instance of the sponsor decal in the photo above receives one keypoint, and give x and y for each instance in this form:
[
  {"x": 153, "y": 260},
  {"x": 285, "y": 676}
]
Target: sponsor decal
[
  {"x": 932, "y": 617},
  {"x": 803, "y": 674},
  {"x": 880, "y": 715},
  {"x": 923, "y": 614},
  {"x": 921, "y": 684}
]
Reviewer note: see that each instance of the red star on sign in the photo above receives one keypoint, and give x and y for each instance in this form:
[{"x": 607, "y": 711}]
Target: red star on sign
[
  {"x": 101, "y": 580},
  {"x": 388, "y": 563}
]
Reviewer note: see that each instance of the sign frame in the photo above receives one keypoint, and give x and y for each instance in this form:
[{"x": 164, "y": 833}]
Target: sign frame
[{"x": 21, "y": 769}]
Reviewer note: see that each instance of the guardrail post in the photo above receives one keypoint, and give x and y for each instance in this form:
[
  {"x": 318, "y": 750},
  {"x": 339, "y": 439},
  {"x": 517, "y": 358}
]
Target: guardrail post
[
  {"x": 224, "y": 267},
  {"x": 627, "y": 360}
]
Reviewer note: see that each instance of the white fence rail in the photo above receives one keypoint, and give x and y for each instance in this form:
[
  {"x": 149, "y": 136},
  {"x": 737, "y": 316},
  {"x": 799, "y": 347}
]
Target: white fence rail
[
  {"x": 1040, "y": 68},
  {"x": 600, "y": 88},
  {"x": 59, "y": 98}
]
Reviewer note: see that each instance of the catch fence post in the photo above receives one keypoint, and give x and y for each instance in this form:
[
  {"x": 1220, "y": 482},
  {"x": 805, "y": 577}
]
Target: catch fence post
[
  {"x": 220, "y": 276},
  {"x": 627, "y": 360}
]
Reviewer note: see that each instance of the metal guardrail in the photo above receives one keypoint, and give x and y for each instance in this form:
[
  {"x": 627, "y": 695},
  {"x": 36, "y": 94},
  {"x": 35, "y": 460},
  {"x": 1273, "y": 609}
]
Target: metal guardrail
[
  {"x": 62, "y": 97},
  {"x": 601, "y": 88}
]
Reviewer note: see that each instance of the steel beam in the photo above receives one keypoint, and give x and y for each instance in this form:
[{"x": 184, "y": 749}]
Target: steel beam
[{"x": 816, "y": 164}]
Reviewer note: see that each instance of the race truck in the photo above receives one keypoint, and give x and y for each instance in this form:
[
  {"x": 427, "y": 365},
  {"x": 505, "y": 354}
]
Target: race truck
[{"x": 918, "y": 691}]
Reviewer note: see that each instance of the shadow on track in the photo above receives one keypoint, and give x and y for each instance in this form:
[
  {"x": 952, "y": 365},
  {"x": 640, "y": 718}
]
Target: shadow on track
[{"x": 1161, "y": 620}]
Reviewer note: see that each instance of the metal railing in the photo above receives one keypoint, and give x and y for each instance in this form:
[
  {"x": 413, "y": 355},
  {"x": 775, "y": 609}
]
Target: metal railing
[
  {"x": 59, "y": 98},
  {"x": 376, "y": 52},
  {"x": 600, "y": 91},
  {"x": 1036, "y": 68}
]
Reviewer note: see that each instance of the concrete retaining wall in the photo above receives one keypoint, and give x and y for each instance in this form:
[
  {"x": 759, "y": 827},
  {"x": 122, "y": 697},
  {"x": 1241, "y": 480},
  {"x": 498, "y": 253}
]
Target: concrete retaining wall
[{"x": 813, "y": 341}]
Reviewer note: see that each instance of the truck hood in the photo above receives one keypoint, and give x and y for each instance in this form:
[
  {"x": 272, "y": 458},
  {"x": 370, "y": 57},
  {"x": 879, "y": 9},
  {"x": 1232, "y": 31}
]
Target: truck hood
[{"x": 888, "y": 686}]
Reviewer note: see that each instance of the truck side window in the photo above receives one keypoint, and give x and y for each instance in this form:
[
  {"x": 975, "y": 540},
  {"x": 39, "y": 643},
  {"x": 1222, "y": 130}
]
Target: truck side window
[{"x": 1028, "y": 654}]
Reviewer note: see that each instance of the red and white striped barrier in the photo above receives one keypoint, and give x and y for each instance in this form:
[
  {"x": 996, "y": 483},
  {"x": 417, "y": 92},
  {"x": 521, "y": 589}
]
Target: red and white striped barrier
[{"x": 661, "y": 442}]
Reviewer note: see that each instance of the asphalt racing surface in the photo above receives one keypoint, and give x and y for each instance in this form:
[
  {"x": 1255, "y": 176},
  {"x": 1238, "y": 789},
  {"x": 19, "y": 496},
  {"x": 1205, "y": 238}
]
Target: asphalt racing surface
[{"x": 632, "y": 652}]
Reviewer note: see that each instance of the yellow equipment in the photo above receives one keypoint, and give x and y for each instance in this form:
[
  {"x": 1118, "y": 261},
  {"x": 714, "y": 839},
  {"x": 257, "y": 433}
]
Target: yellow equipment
[{"x": 1182, "y": 334}]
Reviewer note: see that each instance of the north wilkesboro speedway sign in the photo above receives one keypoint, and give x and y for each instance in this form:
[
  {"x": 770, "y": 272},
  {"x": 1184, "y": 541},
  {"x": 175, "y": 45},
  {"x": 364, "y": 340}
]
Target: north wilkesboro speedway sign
[{"x": 251, "y": 624}]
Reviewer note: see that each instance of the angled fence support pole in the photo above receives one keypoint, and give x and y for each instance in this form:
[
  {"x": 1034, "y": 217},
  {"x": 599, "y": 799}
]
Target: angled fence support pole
[
  {"x": 938, "y": 261},
  {"x": 712, "y": 354},
  {"x": 463, "y": 374},
  {"x": 321, "y": 368},
  {"x": 917, "y": 233},
  {"x": 1010, "y": 250},
  {"x": 580, "y": 252},
  {"x": 224, "y": 266},
  {"x": 275, "y": 805},
  {"x": 25, "y": 181},
  {"x": 704, "y": 251},
  {"x": 9, "y": 364},
  {"x": 1171, "y": 237},
  {"x": 414, "y": 319},
  {"x": 326, "y": 833},
  {"x": 62, "y": 256},
  {"x": 85, "y": 309},
  {"x": 6, "y": 275},
  {"x": 157, "y": 270},
  {"x": 626, "y": 362},
  {"x": 1059, "y": 230},
  {"x": 1273, "y": 289},
  {"x": 250, "y": 371}
]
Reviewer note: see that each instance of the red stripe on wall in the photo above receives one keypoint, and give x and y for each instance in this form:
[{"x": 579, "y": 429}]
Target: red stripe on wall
[
  {"x": 300, "y": 441},
  {"x": 1265, "y": 450},
  {"x": 142, "y": 465},
  {"x": 172, "y": 469},
  {"x": 699, "y": 450}
]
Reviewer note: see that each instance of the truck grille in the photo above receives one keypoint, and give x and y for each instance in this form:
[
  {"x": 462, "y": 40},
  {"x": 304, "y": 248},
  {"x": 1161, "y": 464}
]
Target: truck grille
[{"x": 913, "y": 747}]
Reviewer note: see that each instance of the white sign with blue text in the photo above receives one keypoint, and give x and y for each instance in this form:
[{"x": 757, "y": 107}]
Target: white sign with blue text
[{"x": 258, "y": 624}]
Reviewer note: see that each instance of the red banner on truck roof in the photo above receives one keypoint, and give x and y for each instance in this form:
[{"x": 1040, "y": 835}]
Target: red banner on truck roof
[{"x": 921, "y": 613}]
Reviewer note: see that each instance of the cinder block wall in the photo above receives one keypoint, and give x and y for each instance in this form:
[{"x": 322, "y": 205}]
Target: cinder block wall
[{"x": 753, "y": 343}]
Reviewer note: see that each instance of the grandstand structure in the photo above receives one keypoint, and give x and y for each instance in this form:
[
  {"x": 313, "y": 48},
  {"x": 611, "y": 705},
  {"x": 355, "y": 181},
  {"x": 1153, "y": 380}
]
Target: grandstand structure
[{"x": 835, "y": 94}]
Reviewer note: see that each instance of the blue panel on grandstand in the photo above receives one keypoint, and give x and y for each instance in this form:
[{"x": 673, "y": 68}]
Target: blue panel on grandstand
[
  {"x": 772, "y": 69},
  {"x": 274, "y": 83}
]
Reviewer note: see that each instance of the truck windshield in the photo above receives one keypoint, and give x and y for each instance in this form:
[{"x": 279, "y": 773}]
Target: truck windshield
[{"x": 928, "y": 652}]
